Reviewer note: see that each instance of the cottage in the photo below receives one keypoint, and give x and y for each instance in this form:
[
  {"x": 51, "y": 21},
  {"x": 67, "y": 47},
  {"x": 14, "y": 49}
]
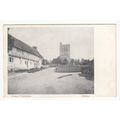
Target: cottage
[{"x": 22, "y": 56}]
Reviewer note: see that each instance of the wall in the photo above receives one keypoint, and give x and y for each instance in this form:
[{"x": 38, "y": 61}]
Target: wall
[
  {"x": 23, "y": 54},
  {"x": 68, "y": 68},
  {"x": 23, "y": 60}
]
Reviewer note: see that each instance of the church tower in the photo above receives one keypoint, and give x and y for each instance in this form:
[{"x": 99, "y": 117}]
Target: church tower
[{"x": 65, "y": 52}]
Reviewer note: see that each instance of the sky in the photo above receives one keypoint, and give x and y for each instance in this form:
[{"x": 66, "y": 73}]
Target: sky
[{"x": 47, "y": 40}]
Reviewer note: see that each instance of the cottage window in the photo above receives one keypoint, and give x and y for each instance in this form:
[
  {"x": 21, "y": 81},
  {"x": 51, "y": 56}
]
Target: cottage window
[
  {"x": 26, "y": 62},
  {"x": 20, "y": 61},
  {"x": 10, "y": 59},
  {"x": 18, "y": 50}
]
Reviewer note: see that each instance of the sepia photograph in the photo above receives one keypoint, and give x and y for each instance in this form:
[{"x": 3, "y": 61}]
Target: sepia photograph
[{"x": 50, "y": 60}]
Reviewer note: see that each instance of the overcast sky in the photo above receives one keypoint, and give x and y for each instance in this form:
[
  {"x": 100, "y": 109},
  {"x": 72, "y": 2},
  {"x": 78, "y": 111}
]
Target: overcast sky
[{"x": 47, "y": 39}]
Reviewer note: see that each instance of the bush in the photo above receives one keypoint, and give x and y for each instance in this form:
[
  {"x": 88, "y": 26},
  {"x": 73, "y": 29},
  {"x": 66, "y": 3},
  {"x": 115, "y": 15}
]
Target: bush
[{"x": 88, "y": 71}]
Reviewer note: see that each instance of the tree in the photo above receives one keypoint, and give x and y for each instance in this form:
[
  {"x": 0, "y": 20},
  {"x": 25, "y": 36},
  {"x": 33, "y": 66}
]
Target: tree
[
  {"x": 45, "y": 62},
  {"x": 65, "y": 62},
  {"x": 72, "y": 61},
  {"x": 77, "y": 62}
]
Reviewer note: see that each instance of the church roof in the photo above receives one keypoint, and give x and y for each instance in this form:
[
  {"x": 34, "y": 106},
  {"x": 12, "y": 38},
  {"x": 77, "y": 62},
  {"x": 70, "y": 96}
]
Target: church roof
[{"x": 14, "y": 42}]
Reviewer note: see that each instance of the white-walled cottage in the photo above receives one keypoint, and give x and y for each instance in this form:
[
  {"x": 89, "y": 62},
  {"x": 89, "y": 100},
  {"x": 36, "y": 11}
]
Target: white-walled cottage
[{"x": 22, "y": 56}]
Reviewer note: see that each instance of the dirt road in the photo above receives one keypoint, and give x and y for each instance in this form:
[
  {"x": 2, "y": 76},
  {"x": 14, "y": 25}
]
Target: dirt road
[{"x": 49, "y": 82}]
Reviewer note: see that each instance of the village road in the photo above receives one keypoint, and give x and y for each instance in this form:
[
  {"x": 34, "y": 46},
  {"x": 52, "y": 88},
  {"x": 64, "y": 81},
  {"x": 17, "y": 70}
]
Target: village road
[{"x": 48, "y": 81}]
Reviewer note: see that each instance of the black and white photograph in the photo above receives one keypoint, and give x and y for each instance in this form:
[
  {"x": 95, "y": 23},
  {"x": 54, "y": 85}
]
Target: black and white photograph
[
  {"x": 51, "y": 59},
  {"x": 59, "y": 60}
]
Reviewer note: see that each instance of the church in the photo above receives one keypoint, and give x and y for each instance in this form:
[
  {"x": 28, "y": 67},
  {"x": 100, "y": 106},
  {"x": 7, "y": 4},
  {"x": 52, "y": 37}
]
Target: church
[{"x": 21, "y": 56}]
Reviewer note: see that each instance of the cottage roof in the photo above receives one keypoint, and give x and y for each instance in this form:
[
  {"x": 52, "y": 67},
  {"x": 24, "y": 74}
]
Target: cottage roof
[{"x": 14, "y": 42}]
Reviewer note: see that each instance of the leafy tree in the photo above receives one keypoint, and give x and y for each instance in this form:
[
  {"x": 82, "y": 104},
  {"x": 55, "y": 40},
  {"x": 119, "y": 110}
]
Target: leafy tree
[
  {"x": 65, "y": 62},
  {"x": 45, "y": 62}
]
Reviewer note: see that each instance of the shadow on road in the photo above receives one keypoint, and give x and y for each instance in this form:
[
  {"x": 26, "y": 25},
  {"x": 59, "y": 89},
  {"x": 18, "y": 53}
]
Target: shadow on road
[{"x": 64, "y": 76}]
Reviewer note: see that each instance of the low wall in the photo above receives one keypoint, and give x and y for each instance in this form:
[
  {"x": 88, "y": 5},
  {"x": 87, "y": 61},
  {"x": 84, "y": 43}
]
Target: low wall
[
  {"x": 68, "y": 68},
  {"x": 52, "y": 65}
]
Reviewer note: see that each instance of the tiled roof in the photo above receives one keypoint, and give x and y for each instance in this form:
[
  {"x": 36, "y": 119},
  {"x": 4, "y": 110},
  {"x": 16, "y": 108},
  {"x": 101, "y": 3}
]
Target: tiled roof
[{"x": 14, "y": 42}]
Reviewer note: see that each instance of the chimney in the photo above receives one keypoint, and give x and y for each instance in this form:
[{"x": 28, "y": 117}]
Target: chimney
[
  {"x": 35, "y": 47},
  {"x": 8, "y": 30},
  {"x": 60, "y": 44}
]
